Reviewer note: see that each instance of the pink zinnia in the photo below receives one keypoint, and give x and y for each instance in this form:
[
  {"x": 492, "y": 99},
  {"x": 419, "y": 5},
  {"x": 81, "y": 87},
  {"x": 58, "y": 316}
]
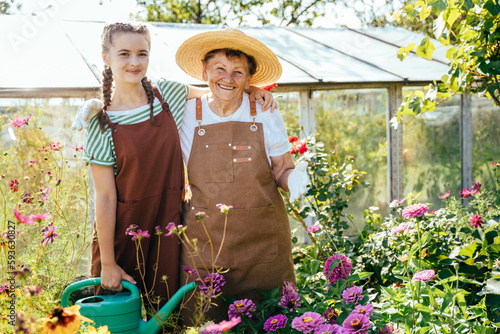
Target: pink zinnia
[
  {"x": 415, "y": 210},
  {"x": 446, "y": 194},
  {"x": 424, "y": 275},
  {"x": 313, "y": 229},
  {"x": 38, "y": 218},
  {"x": 19, "y": 122},
  {"x": 476, "y": 221},
  {"x": 400, "y": 228},
  {"x": 23, "y": 219},
  {"x": 308, "y": 322},
  {"x": 341, "y": 270},
  {"x": 223, "y": 325},
  {"x": 496, "y": 164},
  {"x": 466, "y": 193},
  {"x": 364, "y": 309}
]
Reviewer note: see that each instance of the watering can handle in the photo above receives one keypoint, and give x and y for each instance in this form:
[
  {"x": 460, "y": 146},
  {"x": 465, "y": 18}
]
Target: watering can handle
[{"x": 93, "y": 281}]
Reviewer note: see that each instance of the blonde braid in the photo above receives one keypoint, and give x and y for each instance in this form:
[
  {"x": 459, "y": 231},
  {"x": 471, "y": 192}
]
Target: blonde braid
[
  {"x": 146, "y": 83},
  {"x": 107, "y": 90}
]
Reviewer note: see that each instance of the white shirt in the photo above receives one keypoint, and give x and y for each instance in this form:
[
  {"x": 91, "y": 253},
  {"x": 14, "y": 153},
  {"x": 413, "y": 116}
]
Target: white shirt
[{"x": 275, "y": 136}]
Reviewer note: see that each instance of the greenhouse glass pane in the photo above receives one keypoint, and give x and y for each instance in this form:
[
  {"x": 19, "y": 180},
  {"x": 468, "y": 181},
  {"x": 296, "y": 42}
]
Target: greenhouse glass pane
[
  {"x": 485, "y": 141},
  {"x": 431, "y": 153},
  {"x": 353, "y": 123},
  {"x": 289, "y": 107}
]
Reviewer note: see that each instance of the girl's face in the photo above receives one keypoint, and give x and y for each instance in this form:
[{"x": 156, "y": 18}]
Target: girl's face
[{"x": 128, "y": 57}]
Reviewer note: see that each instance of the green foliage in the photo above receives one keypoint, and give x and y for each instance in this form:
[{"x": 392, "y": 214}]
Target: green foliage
[
  {"x": 473, "y": 29},
  {"x": 286, "y": 12}
]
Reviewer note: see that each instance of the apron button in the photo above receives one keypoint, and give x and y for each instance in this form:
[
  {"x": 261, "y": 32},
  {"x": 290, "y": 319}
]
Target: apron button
[
  {"x": 230, "y": 144},
  {"x": 206, "y": 146},
  {"x": 234, "y": 160},
  {"x": 249, "y": 147},
  {"x": 249, "y": 159}
]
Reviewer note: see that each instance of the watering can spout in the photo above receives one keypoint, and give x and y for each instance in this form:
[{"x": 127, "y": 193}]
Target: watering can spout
[
  {"x": 154, "y": 325},
  {"x": 122, "y": 312}
]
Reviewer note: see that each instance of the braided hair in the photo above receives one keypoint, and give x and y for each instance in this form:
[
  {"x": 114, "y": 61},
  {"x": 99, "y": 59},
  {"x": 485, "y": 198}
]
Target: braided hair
[{"x": 107, "y": 74}]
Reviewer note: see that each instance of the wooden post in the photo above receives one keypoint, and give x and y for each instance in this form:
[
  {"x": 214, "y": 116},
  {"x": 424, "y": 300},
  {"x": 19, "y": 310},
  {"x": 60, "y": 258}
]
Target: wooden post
[
  {"x": 306, "y": 117},
  {"x": 466, "y": 140},
  {"x": 394, "y": 145}
]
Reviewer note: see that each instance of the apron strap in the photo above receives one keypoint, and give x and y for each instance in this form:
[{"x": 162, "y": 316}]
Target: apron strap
[
  {"x": 198, "y": 110},
  {"x": 253, "y": 109}
]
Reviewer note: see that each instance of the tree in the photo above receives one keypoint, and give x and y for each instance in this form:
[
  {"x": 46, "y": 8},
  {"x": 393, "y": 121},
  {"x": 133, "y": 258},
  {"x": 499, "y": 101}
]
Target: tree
[
  {"x": 278, "y": 12},
  {"x": 5, "y": 6},
  {"x": 471, "y": 28}
]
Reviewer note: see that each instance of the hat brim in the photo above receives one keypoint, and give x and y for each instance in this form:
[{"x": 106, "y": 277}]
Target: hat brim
[{"x": 189, "y": 56}]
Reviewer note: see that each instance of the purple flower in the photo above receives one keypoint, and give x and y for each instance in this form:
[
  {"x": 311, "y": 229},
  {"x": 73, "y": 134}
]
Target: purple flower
[
  {"x": 158, "y": 230},
  {"x": 415, "y": 210},
  {"x": 352, "y": 295},
  {"x": 131, "y": 228},
  {"x": 400, "y": 228},
  {"x": 32, "y": 291},
  {"x": 139, "y": 234},
  {"x": 274, "y": 323},
  {"x": 240, "y": 308},
  {"x": 331, "y": 316},
  {"x": 49, "y": 233},
  {"x": 329, "y": 329},
  {"x": 476, "y": 221},
  {"x": 424, "y": 275},
  {"x": 341, "y": 270},
  {"x": 171, "y": 228},
  {"x": 308, "y": 322},
  {"x": 290, "y": 302},
  {"x": 189, "y": 271},
  {"x": 211, "y": 284},
  {"x": 313, "y": 228},
  {"x": 387, "y": 330},
  {"x": 356, "y": 323},
  {"x": 364, "y": 309}
]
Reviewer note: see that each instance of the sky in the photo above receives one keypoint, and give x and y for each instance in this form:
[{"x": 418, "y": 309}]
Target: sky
[{"x": 117, "y": 10}]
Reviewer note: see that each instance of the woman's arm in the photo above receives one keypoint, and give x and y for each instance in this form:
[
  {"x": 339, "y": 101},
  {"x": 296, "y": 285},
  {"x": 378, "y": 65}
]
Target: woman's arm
[
  {"x": 105, "y": 215},
  {"x": 282, "y": 167},
  {"x": 264, "y": 97}
]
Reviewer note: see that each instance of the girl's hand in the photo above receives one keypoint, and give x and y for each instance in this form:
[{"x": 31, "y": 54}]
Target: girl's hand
[{"x": 112, "y": 275}]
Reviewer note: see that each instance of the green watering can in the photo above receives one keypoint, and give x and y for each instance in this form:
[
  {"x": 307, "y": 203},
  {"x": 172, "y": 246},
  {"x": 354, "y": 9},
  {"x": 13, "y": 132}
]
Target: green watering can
[{"x": 121, "y": 312}]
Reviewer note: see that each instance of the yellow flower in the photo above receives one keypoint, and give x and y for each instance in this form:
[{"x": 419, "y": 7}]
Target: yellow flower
[
  {"x": 101, "y": 330},
  {"x": 64, "y": 320}
]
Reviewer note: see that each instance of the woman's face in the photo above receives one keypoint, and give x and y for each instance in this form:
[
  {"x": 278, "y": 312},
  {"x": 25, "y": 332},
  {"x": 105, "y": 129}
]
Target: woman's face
[
  {"x": 128, "y": 57},
  {"x": 227, "y": 78}
]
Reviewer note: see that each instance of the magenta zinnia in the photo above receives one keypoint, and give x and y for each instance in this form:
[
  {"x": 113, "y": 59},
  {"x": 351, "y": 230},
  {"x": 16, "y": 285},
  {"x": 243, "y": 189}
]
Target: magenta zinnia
[
  {"x": 211, "y": 284},
  {"x": 364, "y": 309},
  {"x": 424, "y": 275},
  {"x": 313, "y": 229},
  {"x": 356, "y": 323},
  {"x": 415, "y": 210},
  {"x": 476, "y": 221},
  {"x": 274, "y": 323},
  {"x": 240, "y": 308},
  {"x": 341, "y": 270},
  {"x": 308, "y": 322},
  {"x": 331, "y": 316},
  {"x": 352, "y": 295}
]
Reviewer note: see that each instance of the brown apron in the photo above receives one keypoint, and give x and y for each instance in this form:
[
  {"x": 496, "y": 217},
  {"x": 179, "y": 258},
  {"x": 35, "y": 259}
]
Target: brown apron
[
  {"x": 149, "y": 187},
  {"x": 229, "y": 165}
]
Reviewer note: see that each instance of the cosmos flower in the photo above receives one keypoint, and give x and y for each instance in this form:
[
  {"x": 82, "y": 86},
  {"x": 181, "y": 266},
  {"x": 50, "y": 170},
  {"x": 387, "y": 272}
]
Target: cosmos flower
[{"x": 476, "y": 221}]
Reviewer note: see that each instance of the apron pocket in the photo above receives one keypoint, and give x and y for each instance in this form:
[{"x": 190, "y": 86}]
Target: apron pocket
[
  {"x": 218, "y": 163},
  {"x": 253, "y": 235}
]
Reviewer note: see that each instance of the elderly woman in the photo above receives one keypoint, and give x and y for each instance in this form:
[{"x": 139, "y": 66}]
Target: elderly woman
[{"x": 238, "y": 156}]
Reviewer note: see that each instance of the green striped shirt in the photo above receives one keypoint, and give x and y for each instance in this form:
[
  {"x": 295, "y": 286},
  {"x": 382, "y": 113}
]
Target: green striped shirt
[{"x": 99, "y": 148}]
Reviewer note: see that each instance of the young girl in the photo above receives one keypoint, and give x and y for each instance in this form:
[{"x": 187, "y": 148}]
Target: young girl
[{"x": 136, "y": 163}]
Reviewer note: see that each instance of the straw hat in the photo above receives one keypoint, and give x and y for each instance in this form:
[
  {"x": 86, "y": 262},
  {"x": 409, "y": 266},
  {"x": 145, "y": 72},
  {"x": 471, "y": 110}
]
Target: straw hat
[{"x": 190, "y": 54}]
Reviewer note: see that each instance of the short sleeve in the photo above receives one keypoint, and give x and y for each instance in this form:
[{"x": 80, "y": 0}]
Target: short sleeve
[
  {"x": 98, "y": 148},
  {"x": 175, "y": 94},
  {"x": 275, "y": 135}
]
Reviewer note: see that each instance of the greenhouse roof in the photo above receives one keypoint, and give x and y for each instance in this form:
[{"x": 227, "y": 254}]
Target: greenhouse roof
[{"x": 65, "y": 56}]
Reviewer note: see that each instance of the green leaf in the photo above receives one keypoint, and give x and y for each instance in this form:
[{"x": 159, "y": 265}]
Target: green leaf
[
  {"x": 425, "y": 49},
  {"x": 470, "y": 250},
  {"x": 450, "y": 15},
  {"x": 451, "y": 53},
  {"x": 492, "y": 7},
  {"x": 493, "y": 251},
  {"x": 358, "y": 277}
]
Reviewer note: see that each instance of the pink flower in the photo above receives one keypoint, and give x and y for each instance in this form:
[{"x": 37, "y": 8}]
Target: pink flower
[
  {"x": 446, "y": 194},
  {"x": 171, "y": 228},
  {"x": 466, "y": 193},
  {"x": 400, "y": 228},
  {"x": 313, "y": 228},
  {"x": 14, "y": 186},
  {"x": 77, "y": 148},
  {"x": 496, "y": 164},
  {"x": 23, "y": 219},
  {"x": 19, "y": 122},
  {"x": 341, "y": 270},
  {"x": 308, "y": 322},
  {"x": 49, "y": 233},
  {"x": 476, "y": 221},
  {"x": 44, "y": 194},
  {"x": 38, "y": 218},
  {"x": 476, "y": 188},
  {"x": 55, "y": 146},
  {"x": 224, "y": 208},
  {"x": 31, "y": 163},
  {"x": 424, "y": 275},
  {"x": 223, "y": 325},
  {"x": 415, "y": 210},
  {"x": 139, "y": 234},
  {"x": 364, "y": 309}
]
